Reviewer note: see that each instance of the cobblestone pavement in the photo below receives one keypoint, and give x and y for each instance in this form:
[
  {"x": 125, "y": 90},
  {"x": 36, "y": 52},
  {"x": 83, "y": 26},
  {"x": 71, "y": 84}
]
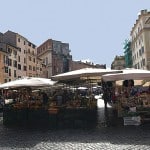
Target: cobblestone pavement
[{"x": 102, "y": 137}]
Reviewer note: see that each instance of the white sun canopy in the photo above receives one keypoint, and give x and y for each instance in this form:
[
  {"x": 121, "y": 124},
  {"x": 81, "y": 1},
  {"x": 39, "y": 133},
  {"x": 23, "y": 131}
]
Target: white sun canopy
[
  {"x": 28, "y": 82},
  {"x": 85, "y": 72},
  {"x": 127, "y": 74}
]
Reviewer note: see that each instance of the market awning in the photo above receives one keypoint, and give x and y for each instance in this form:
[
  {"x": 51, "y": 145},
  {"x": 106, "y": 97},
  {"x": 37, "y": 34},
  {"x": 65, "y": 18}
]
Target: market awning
[
  {"x": 127, "y": 74},
  {"x": 28, "y": 82},
  {"x": 85, "y": 72}
]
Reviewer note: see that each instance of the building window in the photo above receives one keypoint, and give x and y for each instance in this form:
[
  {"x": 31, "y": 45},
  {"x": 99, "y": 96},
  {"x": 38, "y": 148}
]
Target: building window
[
  {"x": 18, "y": 58},
  {"x": 5, "y": 80},
  {"x": 46, "y": 61},
  {"x": 25, "y": 68},
  {"x": 139, "y": 41},
  {"x": 33, "y": 68},
  {"x": 140, "y": 53},
  {"x": 34, "y": 60},
  {"x": 138, "y": 29},
  {"x": 24, "y": 60},
  {"x": 6, "y": 69},
  {"x": 9, "y": 72},
  {"x": 9, "y": 62},
  {"x": 143, "y": 61},
  {"x": 15, "y": 63},
  {"x": 138, "y": 66},
  {"x": 15, "y": 74},
  {"x": 15, "y": 54},
  {"x": 29, "y": 43},
  {"x": 142, "y": 49},
  {"x": 5, "y": 60},
  {"x": 24, "y": 42},
  {"x": 29, "y": 58},
  {"x": 9, "y": 50},
  {"x": 19, "y": 49},
  {"x": 18, "y": 39},
  {"x": 30, "y": 67},
  {"x": 19, "y": 66}
]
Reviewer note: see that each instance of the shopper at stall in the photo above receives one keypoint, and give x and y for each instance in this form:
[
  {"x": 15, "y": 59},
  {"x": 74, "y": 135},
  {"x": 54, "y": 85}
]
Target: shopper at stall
[
  {"x": 105, "y": 98},
  {"x": 45, "y": 98}
]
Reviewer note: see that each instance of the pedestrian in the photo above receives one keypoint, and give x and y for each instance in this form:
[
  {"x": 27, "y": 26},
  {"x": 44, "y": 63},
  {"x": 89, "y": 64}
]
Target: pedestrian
[
  {"x": 45, "y": 98},
  {"x": 105, "y": 98}
]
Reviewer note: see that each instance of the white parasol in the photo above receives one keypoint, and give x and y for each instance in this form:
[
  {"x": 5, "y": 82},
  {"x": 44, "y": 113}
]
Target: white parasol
[
  {"x": 85, "y": 72},
  {"x": 28, "y": 82},
  {"x": 127, "y": 74}
]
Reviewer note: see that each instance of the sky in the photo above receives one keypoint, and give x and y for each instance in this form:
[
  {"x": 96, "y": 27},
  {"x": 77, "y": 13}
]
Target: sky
[{"x": 95, "y": 29}]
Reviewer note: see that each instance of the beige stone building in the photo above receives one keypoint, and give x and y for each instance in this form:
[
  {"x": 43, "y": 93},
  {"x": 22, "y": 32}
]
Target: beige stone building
[
  {"x": 40, "y": 68},
  {"x": 4, "y": 72},
  {"x": 12, "y": 62},
  {"x": 55, "y": 57},
  {"x": 44, "y": 52},
  {"x": 24, "y": 61},
  {"x": 118, "y": 63},
  {"x": 31, "y": 59},
  {"x": 75, "y": 65},
  {"x": 140, "y": 44},
  {"x": 3, "y": 66}
]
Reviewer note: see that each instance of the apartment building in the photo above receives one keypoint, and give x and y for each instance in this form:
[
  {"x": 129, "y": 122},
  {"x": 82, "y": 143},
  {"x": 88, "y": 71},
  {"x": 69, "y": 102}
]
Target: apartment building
[
  {"x": 11, "y": 62},
  {"x": 140, "y": 43},
  {"x": 25, "y": 63},
  {"x": 31, "y": 60},
  {"x": 40, "y": 68},
  {"x": 5, "y": 71},
  {"x": 75, "y": 65},
  {"x": 3, "y": 65},
  {"x": 118, "y": 63},
  {"x": 55, "y": 56}
]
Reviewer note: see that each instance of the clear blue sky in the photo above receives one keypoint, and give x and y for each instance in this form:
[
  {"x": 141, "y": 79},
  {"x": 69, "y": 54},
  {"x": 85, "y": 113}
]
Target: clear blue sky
[{"x": 95, "y": 29}]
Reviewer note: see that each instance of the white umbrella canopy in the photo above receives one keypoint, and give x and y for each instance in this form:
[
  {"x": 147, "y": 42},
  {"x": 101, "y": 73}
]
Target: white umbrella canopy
[
  {"x": 127, "y": 74},
  {"x": 85, "y": 72},
  {"x": 28, "y": 82}
]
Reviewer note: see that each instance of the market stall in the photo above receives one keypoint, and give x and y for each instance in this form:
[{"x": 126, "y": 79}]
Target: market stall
[
  {"x": 81, "y": 106},
  {"x": 25, "y": 101},
  {"x": 132, "y": 101},
  {"x": 59, "y": 101}
]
